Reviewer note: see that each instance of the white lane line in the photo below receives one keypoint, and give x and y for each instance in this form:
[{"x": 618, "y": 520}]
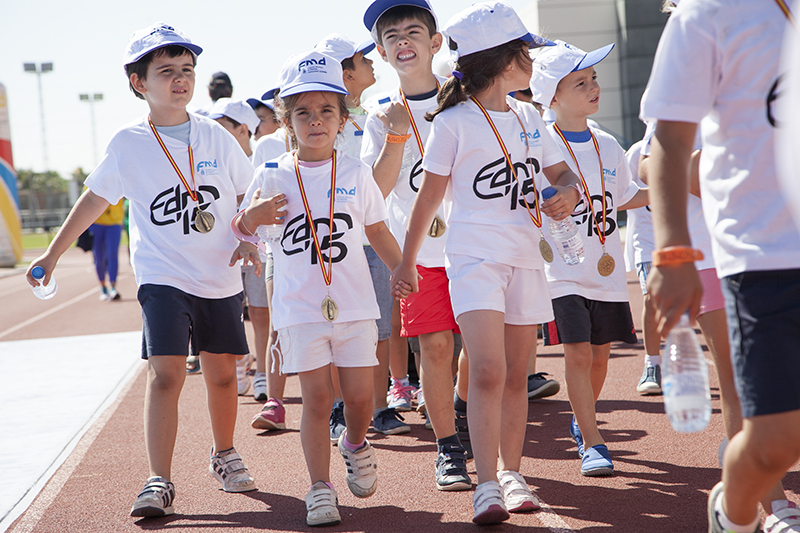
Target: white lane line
[
  {"x": 69, "y": 459},
  {"x": 47, "y": 313},
  {"x": 550, "y": 519}
]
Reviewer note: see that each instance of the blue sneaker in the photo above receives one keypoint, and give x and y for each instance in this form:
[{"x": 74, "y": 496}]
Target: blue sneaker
[
  {"x": 596, "y": 462},
  {"x": 575, "y": 431},
  {"x": 336, "y": 423},
  {"x": 389, "y": 422}
]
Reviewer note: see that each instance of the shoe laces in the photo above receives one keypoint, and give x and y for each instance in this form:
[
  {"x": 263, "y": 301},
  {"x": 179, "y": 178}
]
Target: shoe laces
[
  {"x": 401, "y": 392},
  {"x": 452, "y": 459},
  {"x": 539, "y": 375},
  {"x": 390, "y": 413}
]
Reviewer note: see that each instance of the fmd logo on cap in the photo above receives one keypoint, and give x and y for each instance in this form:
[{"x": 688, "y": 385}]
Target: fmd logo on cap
[
  {"x": 311, "y": 71},
  {"x": 312, "y": 65}
]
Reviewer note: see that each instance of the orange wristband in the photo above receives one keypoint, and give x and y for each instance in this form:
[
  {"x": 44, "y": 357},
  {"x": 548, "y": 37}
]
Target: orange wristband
[
  {"x": 676, "y": 255},
  {"x": 397, "y": 139}
]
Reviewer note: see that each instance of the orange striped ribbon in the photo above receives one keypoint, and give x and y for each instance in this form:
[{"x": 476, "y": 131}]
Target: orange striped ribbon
[
  {"x": 600, "y": 231},
  {"x": 192, "y": 192},
  {"x": 413, "y": 122},
  {"x": 786, "y": 10},
  {"x": 326, "y": 275},
  {"x": 537, "y": 220},
  {"x": 354, "y": 123}
]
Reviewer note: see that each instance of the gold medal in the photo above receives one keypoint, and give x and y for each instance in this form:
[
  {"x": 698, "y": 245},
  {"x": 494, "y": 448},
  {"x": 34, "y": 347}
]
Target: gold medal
[
  {"x": 329, "y": 309},
  {"x": 203, "y": 221},
  {"x": 438, "y": 227},
  {"x": 545, "y": 250},
  {"x": 606, "y": 265}
]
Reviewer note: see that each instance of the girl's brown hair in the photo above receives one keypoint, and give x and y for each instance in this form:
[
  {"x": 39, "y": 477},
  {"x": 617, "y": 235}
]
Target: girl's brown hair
[
  {"x": 478, "y": 71},
  {"x": 284, "y": 107}
]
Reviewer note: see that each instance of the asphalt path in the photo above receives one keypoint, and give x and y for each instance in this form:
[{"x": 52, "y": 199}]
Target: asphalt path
[{"x": 661, "y": 481}]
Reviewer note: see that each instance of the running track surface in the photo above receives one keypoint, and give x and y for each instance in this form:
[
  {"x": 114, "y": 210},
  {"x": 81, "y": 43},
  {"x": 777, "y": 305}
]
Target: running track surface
[{"x": 661, "y": 479}]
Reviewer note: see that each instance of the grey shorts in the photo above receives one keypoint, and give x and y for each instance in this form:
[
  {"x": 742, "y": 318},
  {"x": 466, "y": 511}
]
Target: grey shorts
[
  {"x": 579, "y": 319},
  {"x": 413, "y": 343},
  {"x": 255, "y": 288},
  {"x": 381, "y": 283},
  {"x": 763, "y": 311},
  {"x": 172, "y": 320}
]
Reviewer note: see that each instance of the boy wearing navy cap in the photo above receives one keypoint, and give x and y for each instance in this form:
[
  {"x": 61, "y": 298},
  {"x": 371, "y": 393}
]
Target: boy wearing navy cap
[{"x": 183, "y": 175}]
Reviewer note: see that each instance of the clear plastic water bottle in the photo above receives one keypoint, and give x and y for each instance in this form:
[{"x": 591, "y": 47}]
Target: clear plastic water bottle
[
  {"x": 568, "y": 241},
  {"x": 269, "y": 187},
  {"x": 42, "y": 291},
  {"x": 687, "y": 398}
]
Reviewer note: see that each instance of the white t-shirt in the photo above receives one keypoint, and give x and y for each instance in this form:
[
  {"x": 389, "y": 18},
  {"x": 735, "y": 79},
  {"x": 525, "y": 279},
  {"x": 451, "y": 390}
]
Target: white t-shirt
[
  {"x": 350, "y": 140},
  {"x": 729, "y": 87},
  {"x": 639, "y": 239},
  {"x": 789, "y": 111},
  {"x": 486, "y": 214},
  {"x": 401, "y": 199},
  {"x": 584, "y": 279},
  {"x": 165, "y": 247},
  {"x": 271, "y": 146},
  {"x": 298, "y": 284}
]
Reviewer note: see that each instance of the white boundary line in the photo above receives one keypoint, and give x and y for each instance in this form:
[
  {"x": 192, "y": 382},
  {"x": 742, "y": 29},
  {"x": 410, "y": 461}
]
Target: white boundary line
[
  {"x": 49, "y": 485},
  {"x": 550, "y": 519}
]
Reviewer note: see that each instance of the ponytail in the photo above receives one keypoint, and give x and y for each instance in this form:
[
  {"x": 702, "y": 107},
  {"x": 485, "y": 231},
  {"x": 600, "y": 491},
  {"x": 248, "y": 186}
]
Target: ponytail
[{"x": 451, "y": 93}]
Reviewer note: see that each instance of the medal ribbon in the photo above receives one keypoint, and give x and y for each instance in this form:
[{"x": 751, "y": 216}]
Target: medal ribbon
[
  {"x": 786, "y": 10},
  {"x": 191, "y": 190},
  {"x": 537, "y": 220},
  {"x": 354, "y": 123},
  {"x": 326, "y": 275},
  {"x": 600, "y": 232},
  {"x": 413, "y": 122}
]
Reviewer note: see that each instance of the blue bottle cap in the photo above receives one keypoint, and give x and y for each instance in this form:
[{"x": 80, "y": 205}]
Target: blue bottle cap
[
  {"x": 37, "y": 272},
  {"x": 548, "y": 193}
]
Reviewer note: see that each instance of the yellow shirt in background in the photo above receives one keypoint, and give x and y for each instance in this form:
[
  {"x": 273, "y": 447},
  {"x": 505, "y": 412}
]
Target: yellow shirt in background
[{"x": 113, "y": 216}]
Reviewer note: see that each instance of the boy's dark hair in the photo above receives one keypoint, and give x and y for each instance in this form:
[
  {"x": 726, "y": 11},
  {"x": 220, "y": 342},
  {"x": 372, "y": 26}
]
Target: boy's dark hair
[
  {"x": 479, "y": 71},
  {"x": 140, "y": 67},
  {"x": 348, "y": 64},
  {"x": 284, "y": 107},
  {"x": 402, "y": 13}
]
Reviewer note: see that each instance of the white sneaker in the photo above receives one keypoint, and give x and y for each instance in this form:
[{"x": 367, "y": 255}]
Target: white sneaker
[
  {"x": 104, "y": 295},
  {"x": 516, "y": 493},
  {"x": 321, "y": 505},
  {"x": 243, "y": 373},
  {"x": 362, "y": 468},
  {"x": 155, "y": 499},
  {"x": 786, "y": 520},
  {"x": 488, "y": 503},
  {"x": 260, "y": 387},
  {"x": 227, "y": 468}
]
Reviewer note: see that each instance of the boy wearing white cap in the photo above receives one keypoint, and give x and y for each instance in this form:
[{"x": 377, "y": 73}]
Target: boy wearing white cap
[
  {"x": 489, "y": 154},
  {"x": 590, "y": 299},
  {"x": 406, "y": 32},
  {"x": 239, "y": 118},
  {"x": 323, "y": 311},
  {"x": 183, "y": 175}
]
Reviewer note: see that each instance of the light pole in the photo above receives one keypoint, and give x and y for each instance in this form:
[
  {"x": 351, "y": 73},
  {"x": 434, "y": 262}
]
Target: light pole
[
  {"x": 92, "y": 98},
  {"x": 39, "y": 70}
]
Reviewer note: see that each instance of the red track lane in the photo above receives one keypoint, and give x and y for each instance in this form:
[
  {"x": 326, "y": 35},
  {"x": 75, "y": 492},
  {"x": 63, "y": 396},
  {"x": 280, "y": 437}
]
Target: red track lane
[{"x": 661, "y": 479}]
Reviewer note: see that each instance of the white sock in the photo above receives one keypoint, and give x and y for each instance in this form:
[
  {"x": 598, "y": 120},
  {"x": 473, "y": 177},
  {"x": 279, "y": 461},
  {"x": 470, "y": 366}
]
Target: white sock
[
  {"x": 652, "y": 360},
  {"x": 402, "y": 381},
  {"x": 730, "y": 526}
]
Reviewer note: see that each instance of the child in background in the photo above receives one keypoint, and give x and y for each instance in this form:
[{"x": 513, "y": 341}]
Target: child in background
[
  {"x": 268, "y": 122},
  {"x": 406, "y": 33},
  {"x": 590, "y": 299},
  {"x": 188, "y": 295},
  {"x": 326, "y": 319},
  {"x": 489, "y": 155},
  {"x": 107, "y": 232}
]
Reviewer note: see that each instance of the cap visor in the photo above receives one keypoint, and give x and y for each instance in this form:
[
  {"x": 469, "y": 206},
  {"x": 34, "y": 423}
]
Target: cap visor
[
  {"x": 314, "y": 86},
  {"x": 366, "y": 47},
  {"x": 269, "y": 95},
  {"x": 379, "y": 7},
  {"x": 534, "y": 41},
  {"x": 594, "y": 57}
]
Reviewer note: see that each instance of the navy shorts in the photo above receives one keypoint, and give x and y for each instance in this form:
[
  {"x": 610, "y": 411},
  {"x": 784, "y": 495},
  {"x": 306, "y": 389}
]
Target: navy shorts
[
  {"x": 578, "y": 319},
  {"x": 763, "y": 311},
  {"x": 172, "y": 320}
]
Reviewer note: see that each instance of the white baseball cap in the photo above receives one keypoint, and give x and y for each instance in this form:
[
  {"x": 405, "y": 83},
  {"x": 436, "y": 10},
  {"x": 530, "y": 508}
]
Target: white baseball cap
[
  {"x": 484, "y": 26},
  {"x": 238, "y": 110},
  {"x": 340, "y": 47},
  {"x": 311, "y": 71},
  {"x": 379, "y": 7},
  {"x": 553, "y": 64},
  {"x": 153, "y": 37}
]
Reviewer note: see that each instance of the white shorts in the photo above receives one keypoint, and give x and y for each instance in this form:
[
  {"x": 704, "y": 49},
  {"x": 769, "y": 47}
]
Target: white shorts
[
  {"x": 309, "y": 346},
  {"x": 521, "y": 294}
]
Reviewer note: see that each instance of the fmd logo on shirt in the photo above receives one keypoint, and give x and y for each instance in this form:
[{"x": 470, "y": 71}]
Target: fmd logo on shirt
[
  {"x": 610, "y": 176},
  {"x": 207, "y": 168},
  {"x": 344, "y": 195},
  {"x": 534, "y": 139}
]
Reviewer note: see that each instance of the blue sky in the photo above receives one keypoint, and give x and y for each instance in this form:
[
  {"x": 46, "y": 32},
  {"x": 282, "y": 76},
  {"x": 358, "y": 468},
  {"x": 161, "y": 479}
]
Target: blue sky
[{"x": 85, "y": 40}]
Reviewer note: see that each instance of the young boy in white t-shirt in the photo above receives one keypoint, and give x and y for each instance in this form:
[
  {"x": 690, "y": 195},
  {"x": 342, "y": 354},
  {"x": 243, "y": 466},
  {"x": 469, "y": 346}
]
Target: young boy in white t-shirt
[
  {"x": 730, "y": 88},
  {"x": 183, "y": 175},
  {"x": 590, "y": 299}
]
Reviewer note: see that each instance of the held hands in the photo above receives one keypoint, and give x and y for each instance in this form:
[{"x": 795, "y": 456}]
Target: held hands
[
  {"x": 562, "y": 204},
  {"x": 673, "y": 290},
  {"x": 265, "y": 211},
  {"x": 249, "y": 254},
  {"x": 395, "y": 118},
  {"x": 405, "y": 280}
]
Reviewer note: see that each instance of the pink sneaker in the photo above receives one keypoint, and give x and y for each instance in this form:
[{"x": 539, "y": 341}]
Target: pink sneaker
[
  {"x": 399, "y": 396},
  {"x": 271, "y": 417}
]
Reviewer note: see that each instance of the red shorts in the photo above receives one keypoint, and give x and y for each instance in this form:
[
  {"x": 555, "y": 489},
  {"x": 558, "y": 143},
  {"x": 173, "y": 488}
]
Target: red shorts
[{"x": 428, "y": 310}]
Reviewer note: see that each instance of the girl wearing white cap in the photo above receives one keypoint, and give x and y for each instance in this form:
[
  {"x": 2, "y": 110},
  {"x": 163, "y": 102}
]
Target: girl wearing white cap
[
  {"x": 590, "y": 299},
  {"x": 324, "y": 313},
  {"x": 489, "y": 155}
]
